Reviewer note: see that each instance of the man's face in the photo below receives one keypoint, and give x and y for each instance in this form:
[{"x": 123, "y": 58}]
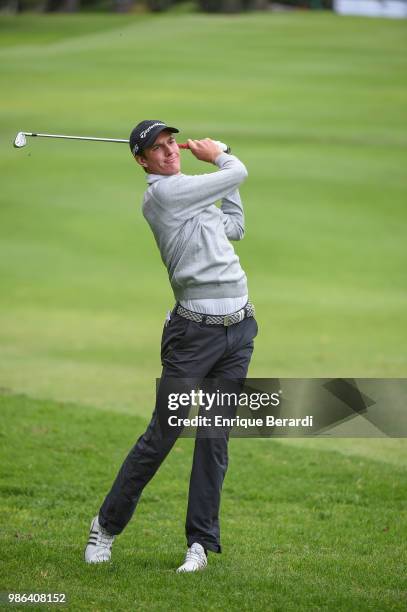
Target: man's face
[{"x": 163, "y": 156}]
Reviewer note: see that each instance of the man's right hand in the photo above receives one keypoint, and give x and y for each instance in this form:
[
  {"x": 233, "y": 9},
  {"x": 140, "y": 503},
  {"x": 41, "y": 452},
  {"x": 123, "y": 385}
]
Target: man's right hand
[{"x": 206, "y": 150}]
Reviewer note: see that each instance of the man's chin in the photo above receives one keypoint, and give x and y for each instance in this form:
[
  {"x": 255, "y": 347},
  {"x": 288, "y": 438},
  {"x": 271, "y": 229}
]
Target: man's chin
[{"x": 172, "y": 169}]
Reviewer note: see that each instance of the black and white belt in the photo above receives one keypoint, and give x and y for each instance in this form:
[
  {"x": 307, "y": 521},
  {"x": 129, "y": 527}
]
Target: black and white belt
[{"x": 226, "y": 320}]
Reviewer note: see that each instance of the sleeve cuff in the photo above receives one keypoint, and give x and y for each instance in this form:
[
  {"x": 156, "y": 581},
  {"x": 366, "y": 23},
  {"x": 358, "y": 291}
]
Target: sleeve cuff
[{"x": 222, "y": 159}]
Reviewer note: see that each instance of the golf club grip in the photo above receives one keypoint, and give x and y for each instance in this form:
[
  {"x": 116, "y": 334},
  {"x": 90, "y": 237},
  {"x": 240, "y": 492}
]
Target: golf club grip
[{"x": 225, "y": 148}]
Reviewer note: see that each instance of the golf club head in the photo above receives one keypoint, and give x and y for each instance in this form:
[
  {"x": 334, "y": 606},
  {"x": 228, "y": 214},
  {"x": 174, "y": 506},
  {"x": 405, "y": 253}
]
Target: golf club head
[{"x": 20, "y": 140}]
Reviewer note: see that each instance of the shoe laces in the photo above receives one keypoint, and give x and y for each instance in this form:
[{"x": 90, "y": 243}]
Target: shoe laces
[
  {"x": 105, "y": 539},
  {"x": 194, "y": 555}
]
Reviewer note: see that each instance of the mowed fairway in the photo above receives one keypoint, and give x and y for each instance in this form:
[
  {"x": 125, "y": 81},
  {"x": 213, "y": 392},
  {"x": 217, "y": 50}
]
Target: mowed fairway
[{"x": 315, "y": 105}]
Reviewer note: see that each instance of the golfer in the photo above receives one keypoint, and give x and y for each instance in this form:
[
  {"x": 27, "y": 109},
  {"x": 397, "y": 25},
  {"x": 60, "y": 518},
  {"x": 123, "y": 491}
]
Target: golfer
[{"x": 209, "y": 333}]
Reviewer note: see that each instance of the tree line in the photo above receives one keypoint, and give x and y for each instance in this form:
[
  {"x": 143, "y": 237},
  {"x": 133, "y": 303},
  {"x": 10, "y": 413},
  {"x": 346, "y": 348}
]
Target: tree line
[{"x": 123, "y": 6}]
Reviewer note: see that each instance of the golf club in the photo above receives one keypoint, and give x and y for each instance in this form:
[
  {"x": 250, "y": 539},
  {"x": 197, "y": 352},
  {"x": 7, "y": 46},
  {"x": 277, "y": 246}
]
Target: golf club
[{"x": 21, "y": 140}]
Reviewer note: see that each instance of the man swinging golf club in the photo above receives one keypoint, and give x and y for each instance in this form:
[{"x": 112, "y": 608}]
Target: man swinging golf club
[{"x": 209, "y": 334}]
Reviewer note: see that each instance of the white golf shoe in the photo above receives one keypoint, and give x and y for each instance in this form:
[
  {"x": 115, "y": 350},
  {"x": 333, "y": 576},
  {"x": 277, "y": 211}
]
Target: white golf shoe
[
  {"x": 99, "y": 547},
  {"x": 195, "y": 559}
]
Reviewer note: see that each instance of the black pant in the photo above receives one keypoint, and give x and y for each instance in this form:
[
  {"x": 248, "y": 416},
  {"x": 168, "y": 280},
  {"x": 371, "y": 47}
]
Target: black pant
[{"x": 198, "y": 351}]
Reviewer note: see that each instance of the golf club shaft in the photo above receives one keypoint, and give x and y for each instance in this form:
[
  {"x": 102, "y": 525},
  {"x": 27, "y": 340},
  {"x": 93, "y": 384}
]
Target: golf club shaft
[
  {"x": 222, "y": 145},
  {"x": 75, "y": 137}
]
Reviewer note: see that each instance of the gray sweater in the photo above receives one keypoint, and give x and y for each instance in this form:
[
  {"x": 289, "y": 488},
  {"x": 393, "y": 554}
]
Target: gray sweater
[{"x": 193, "y": 234}]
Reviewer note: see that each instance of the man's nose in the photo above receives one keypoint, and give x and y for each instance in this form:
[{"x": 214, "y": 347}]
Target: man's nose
[{"x": 169, "y": 150}]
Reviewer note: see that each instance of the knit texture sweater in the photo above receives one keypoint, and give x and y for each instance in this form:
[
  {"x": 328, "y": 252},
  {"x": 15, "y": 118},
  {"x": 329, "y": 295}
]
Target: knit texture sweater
[{"x": 193, "y": 234}]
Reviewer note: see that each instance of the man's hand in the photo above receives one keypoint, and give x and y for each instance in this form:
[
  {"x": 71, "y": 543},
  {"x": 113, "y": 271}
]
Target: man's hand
[{"x": 206, "y": 150}]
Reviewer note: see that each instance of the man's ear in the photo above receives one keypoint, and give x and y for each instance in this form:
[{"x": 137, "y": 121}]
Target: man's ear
[{"x": 140, "y": 159}]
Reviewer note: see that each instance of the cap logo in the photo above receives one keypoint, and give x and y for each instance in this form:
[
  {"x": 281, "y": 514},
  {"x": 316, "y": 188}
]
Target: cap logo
[
  {"x": 135, "y": 149},
  {"x": 144, "y": 133}
]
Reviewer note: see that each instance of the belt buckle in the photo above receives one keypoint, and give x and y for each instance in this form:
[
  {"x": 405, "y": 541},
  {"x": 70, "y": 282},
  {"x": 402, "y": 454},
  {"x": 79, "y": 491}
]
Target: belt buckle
[{"x": 235, "y": 317}]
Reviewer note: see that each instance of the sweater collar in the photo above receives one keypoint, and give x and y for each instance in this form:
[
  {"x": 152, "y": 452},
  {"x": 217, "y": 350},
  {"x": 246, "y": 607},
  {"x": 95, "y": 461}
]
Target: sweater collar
[{"x": 153, "y": 178}]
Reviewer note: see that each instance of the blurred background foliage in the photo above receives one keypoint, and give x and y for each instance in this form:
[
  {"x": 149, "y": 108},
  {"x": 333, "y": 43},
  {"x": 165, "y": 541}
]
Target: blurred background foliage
[{"x": 127, "y": 6}]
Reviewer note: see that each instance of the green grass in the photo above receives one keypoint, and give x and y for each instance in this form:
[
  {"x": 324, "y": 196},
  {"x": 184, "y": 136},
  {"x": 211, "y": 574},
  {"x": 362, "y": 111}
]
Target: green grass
[
  {"x": 315, "y": 105},
  {"x": 51, "y": 28},
  {"x": 302, "y": 528}
]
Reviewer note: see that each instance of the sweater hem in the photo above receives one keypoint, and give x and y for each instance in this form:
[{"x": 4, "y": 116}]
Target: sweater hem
[{"x": 212, "y": 291}]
